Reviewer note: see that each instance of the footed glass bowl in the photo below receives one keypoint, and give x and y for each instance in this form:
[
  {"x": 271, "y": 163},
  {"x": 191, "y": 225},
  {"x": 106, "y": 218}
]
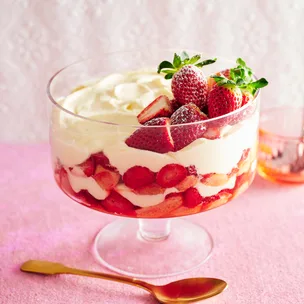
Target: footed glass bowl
[{"x": 96, "y": 163}]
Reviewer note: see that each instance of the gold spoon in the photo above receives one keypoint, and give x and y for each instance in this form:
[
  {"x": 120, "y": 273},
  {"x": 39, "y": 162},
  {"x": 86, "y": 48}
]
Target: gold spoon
[{"x": 183, "y": 291}]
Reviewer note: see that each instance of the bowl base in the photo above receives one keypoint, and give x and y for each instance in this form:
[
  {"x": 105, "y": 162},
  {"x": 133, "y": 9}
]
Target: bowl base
[{"x": 120, "y": 247}]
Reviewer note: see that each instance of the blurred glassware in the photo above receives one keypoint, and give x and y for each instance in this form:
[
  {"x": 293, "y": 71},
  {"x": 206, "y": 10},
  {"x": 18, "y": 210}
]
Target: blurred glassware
[{"x": 281, "y": 144}]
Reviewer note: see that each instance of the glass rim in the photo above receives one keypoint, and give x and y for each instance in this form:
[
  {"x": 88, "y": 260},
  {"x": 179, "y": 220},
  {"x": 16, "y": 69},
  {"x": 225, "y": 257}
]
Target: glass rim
[
  {"x": 277, "y": 136},
  {"x": 207, "y": 121}
]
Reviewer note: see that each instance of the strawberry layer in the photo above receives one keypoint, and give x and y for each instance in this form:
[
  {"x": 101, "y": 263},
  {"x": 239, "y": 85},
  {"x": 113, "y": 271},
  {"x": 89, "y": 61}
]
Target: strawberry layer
[
  {"x": 209, "y": 186},
  {"x": 173, "y": 205}
]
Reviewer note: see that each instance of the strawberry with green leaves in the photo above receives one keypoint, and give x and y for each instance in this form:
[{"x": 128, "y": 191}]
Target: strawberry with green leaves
[
  {"x": 189, "y": 84},
  {"x": 224, "y": 97},
  {"x": 229, "y": 94}
]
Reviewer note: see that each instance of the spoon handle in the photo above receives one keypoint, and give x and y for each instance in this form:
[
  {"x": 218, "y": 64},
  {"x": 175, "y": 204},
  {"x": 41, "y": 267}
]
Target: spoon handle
[
  {"x": 50, "y": 268},
  {"x": 106, "y": 276}
]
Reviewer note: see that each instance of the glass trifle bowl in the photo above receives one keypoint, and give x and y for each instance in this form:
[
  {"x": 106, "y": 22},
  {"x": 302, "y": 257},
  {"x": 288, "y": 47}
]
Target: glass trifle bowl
[{"x": 149, "y": 174}]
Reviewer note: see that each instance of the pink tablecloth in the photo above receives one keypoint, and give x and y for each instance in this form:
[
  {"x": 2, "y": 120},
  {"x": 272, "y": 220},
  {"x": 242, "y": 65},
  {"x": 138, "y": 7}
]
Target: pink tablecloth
[{"x": 259, "y": 240}]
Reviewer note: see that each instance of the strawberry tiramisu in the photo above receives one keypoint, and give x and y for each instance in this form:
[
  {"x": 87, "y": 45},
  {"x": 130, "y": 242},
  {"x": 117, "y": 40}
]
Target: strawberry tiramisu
[{"x": 163, "y": 143}]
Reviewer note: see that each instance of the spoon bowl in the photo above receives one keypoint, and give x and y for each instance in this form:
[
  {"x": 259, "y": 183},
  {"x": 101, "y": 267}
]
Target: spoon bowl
[
  {"x": 182, "y": 291},
  {"x": 189, "y": 290}
]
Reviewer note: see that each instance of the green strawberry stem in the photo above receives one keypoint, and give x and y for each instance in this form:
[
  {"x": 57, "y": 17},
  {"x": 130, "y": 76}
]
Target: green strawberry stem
[
  {"x": 241, "y": 72},
  {"x": 221, "y": 81},
  {"x": 180, "y": 61},
  {"x": 241, "y": 76},
  {"x": 252, "y": 87}
]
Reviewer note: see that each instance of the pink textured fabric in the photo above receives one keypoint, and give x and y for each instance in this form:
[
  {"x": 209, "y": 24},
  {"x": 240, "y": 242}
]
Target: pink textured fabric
[{"x": 259, "y": 240}]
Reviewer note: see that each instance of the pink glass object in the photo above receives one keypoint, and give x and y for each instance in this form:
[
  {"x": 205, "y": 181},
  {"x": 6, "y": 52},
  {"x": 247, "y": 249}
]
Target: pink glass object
[
  {"x": 281, "y": 144},
  {"x": 147, "y": 243}
]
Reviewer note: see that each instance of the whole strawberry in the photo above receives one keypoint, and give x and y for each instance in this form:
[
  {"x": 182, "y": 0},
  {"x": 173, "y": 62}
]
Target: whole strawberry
[
  {"x": 243, "y": 77},
  {"x": 189, "y": 84},
  {"x": 224, "y": 98},
  {"x": 232, "y": 89}
]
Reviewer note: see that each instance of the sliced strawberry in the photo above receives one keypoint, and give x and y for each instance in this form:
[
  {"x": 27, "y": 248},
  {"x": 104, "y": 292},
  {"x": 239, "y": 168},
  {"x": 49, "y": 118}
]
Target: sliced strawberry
[
  {"x": 214, "y": 179},
  {"x": 107, "y": 179},
  {"x": 164, "y": 209},
  {"x": 188, "y": 182},
  {"x": 184, "y": 135},
  {"x": 88, "y": 166},
  {"x": 186, "y": 114},
  {"x": 160, "y": 107},
  {"x": 192, "y": 198},
  {"x": 115, "y": 203},
  {"x": 138, "y": 177},
  {"x": 157, "y": 139},
  {"x": 152, "y": 189},
  {"x": 170, "y": 175}
]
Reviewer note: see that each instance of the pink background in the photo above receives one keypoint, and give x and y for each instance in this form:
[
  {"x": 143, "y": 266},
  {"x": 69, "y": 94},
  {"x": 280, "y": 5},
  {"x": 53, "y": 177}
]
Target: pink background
[{"x": 259, "y": 238}]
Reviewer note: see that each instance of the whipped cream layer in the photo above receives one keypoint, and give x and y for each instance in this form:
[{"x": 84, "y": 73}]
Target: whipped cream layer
[{"x": 118, "y": 98}]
